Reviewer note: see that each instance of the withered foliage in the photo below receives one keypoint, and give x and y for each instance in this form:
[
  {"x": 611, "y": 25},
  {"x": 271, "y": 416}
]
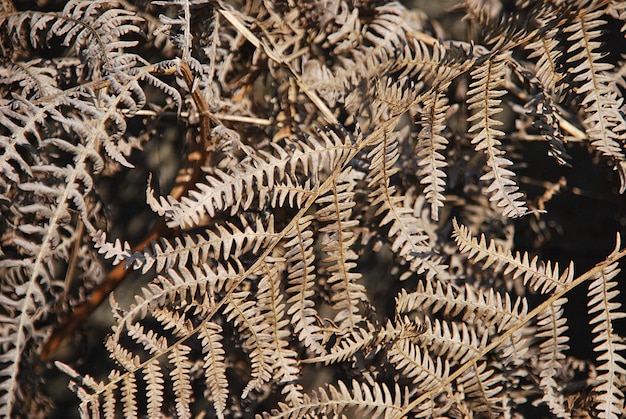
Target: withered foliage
[{"x": 316, "y": 137}]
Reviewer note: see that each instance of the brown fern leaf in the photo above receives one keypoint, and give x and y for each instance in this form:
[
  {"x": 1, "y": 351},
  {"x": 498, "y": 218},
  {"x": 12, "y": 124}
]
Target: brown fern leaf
[
  {"x": 602, "y": 290},
  {"x": 363, "y": 400},
  {"x": 604, "y": 122},
  {"x": 483, "y": 100},
  {"x": 214, "y": 366},
  {"x": 301, "y": 279},
  {"x": 543, "y": 277},
  {"x": 335, "y": 210}
]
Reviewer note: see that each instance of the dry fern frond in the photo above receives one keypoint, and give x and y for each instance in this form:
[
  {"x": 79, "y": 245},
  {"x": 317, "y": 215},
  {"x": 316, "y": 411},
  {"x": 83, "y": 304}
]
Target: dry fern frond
[
  {"x": 541, "y": 276},
  {"x": 610, "y": 398},
  {"x": 484, "y": 97},
  {"x": 307, "y": 164},
  {"x": 603, "y": 121},
  {"x": 375, "y": 401}
]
